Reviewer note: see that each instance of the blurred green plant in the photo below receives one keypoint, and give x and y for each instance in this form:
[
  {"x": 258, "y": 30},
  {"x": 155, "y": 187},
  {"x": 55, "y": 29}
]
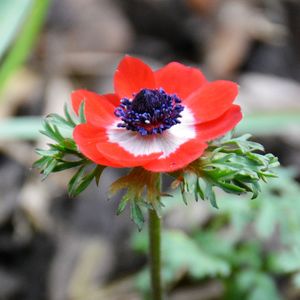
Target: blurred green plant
[
  {"x": 181, "y": 257},
  {"x": 246, "y": 244},
  {"x": 270, "y": 123},
  {"x": 20, "y": 128},
  {"x": 12, "y": 14},
  {"x": 12, "y": 24}
]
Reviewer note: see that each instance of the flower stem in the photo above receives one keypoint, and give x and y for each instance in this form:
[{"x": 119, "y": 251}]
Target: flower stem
[{"x": 155, "y": 255}]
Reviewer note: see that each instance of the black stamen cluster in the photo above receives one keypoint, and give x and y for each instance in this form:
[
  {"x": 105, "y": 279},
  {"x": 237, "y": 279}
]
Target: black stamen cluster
[{"x": 150, "y": 111}]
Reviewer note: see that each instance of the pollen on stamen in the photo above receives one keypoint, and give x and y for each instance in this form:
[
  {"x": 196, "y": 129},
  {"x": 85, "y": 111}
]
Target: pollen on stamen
[{"x": 149, "y": 112}]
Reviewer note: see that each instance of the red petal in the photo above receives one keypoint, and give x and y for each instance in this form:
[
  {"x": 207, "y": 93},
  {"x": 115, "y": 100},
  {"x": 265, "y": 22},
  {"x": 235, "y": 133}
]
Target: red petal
[
  {"x": 99, "y": 111},
  {"x": 87, "y": 137},
  {"x": 115, "y": 153},
  {"x": 213, "y": 129},
  {"x": 113, "y": 99},
  {"x": 212, "y": 100},
  {"x": 185, "y": 154},
  {"x": 131, "y": 76},
  {"x": 83, "y": 95},
  {"x": 179, "y": 79}
]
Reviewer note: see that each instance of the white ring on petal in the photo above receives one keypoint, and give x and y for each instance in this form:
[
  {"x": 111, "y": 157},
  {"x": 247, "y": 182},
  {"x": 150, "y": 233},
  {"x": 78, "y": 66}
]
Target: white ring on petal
[{"x": 167, "y": 142}]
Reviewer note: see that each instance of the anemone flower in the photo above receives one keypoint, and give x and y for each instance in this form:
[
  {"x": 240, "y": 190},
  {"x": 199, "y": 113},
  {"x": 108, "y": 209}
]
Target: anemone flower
[{"x": 159, "y": 120}]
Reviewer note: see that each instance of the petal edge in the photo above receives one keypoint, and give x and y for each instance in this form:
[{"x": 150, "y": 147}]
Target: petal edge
[
  {"x": 212, "y": 100},
  {"x": 216, "y": 128},
  {"x": 131, "y": 76},
  {"x": 176, "y": 78}
]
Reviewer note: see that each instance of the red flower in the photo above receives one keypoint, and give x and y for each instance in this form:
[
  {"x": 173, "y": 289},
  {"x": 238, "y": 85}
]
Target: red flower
[{"x": 159, "y": 120}]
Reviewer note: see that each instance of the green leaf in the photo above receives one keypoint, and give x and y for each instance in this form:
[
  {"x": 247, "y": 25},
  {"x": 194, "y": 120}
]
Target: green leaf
[
  {"x": 61, "y": 166},
  {"x": 232, "y": 165},
  {"x": 75, "y": 181},
  {"x": 240, "y": 145},
  {"x": 184, "y": 198},
  {"x": 49, "y": 152},
  {"x": 84, "y": 183},
  {"x": 52, "y": 132},
  {"x": 81, "y": 112},
  {"x": 98, "y": 172},
  {"x": 221, "y": 171},
  {"x": 210, "y": 195},
  {"x": 60, "y": 121},
  {"x": 255, "y": 189},
  {"x": 258, "y": 158},
  {"x": 273, "y": 161},
  {"x": 243, "y": 185},
  {"x": 49, "y": 168},
  {"x": 68, "y": 116},
  {"x": 64, "y": 155},
  {"x": 199, "y": 191},
  {"x": 158, "y": 206},
  {"x": 66, "y": 146},
  {"x": 231, "y": 188},
  {"x": 80, "y": 181},
  {"x": 42, "y": 162},
  {"x": 136, "y": 215},
  {"x": 122, "y": 205}
]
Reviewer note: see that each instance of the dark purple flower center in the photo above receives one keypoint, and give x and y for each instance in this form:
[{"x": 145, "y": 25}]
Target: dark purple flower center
[{"x": 150, "y": 111}]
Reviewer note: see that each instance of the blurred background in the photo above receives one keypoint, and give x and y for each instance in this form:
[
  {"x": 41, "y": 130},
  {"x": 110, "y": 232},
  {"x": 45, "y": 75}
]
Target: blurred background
[{"x": 57, "y": 248}]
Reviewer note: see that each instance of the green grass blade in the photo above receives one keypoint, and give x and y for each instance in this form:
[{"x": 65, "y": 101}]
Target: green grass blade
[
  {"x": 12, "y": 15},
  {"x": 25, "y": 41}
]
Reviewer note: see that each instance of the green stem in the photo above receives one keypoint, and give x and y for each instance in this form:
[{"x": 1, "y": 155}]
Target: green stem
[{"x": 155, "y": 251}]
